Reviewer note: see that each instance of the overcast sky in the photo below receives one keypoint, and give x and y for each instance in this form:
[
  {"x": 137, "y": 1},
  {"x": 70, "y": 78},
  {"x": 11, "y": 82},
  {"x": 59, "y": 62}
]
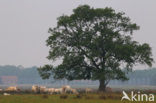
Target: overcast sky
[{"x": 24, "y": 25}]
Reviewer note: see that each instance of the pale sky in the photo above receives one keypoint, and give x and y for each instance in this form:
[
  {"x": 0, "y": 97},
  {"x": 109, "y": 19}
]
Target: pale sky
[{"x": 24, "y": 25}]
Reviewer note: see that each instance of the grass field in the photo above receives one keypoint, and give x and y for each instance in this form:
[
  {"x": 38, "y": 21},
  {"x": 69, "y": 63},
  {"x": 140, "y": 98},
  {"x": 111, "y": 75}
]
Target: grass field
[{"x": 58, "y": 98}]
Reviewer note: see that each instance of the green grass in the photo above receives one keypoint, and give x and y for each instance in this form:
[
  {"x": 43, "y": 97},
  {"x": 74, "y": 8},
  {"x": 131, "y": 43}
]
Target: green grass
[{"x": 85, "y": 98}]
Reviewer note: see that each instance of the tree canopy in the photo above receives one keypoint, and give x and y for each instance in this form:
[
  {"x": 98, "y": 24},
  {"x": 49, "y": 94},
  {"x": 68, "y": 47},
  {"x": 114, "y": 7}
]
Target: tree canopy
[{"x": 96, "y": 44}]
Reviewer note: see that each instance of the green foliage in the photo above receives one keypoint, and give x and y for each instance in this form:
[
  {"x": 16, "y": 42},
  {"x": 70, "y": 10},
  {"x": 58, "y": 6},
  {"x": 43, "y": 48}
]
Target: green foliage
[
  {"x": 95, "y": 44},
  {"x": 45, "y": 71}
]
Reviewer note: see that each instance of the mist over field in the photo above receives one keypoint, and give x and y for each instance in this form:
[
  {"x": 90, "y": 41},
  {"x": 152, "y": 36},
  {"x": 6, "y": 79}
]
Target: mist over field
[{"x": 29, "y": 76}]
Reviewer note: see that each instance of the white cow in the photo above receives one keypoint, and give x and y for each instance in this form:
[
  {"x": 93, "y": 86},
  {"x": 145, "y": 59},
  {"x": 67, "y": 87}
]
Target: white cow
[
  {"x": 42, "y": 89},
  {"x": 58, "y": 91},
  {"x": 1, "y": 90},
  {"x": 88, "y": 90},
  {"x": 74, "y": 91},
  {"x": 6, "y": 94},
  {"x": 35, "y": 88},
  {"x": 50, "y": 90},
  {"x": 66, "y": 88},
  {"x": 12, "y": 89}
]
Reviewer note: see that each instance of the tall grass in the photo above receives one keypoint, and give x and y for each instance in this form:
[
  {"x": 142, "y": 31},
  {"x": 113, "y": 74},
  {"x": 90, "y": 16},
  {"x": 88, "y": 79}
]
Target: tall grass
[{"x": 63, "y": 98}]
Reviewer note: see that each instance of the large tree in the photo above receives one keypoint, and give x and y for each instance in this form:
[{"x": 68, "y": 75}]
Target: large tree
[{"x": 94, "y": 44}]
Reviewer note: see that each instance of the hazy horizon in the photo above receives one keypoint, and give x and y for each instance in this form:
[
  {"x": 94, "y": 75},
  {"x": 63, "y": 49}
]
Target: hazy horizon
[{"x": 24, "y": 26}]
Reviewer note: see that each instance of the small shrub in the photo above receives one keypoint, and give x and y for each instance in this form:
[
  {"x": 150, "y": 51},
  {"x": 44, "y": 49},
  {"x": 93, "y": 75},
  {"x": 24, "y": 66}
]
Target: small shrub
[
  {"x": 111, "y": 97},
  {"x": 89, "y": 97},
  {"x": 103, "y": 97},
  {"x": 64, "y": 96},
  {"x": 78, "y": 96},
  {"x": 45, "y": 96},
  {"x": 27, "y": 92},
  {"x": 117, "y": 97}
]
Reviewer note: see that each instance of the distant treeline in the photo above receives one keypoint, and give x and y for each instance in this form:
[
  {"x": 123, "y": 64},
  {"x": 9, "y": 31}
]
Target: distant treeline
[
  {"x": 24, "y": 75},
  {"x": 31, "y": 76}
]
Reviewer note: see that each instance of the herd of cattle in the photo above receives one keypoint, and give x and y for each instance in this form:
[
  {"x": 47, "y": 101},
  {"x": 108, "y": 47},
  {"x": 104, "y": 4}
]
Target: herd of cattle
[
  {"x": 64, "y": 89},
  {"x": 44, "y": 89}
]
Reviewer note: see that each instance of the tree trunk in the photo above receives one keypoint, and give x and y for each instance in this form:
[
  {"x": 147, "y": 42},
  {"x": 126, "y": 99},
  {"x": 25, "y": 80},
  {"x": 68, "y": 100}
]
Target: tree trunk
[{"x": 102, "y": 86}]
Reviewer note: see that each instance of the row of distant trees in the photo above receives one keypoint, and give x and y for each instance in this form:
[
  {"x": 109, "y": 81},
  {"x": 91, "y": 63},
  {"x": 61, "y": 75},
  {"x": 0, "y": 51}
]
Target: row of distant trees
[
  {"x": 31, "y": 76},
  {"x": 24, "y": 75}
]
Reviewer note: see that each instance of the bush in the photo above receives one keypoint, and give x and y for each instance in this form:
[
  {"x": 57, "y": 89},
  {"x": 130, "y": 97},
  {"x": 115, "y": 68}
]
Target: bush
[
  {"x": 45, "y": 96},
  {"x": 78, "y": 96},
  {"x": 64, "y": 96},
  {"x": 103, "y": 97},
  {"x": 89, "y": 97}
]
